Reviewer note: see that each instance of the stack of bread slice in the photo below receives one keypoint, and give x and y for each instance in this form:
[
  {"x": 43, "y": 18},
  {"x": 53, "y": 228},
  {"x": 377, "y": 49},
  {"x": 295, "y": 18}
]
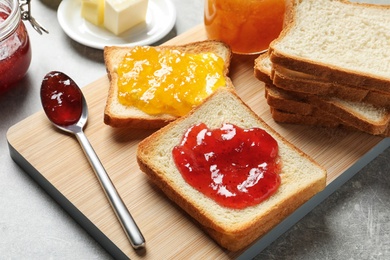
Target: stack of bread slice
[{"x": 331, "y": 66}]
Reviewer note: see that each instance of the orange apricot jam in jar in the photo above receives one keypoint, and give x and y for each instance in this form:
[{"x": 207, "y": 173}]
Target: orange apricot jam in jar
[
  {"x": 247, "y": 26},
  {"x": 162, "y": 81}
]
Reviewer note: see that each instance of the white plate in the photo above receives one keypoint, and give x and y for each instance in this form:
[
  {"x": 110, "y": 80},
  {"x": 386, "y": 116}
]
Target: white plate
[{"x": 160, "y": 19}]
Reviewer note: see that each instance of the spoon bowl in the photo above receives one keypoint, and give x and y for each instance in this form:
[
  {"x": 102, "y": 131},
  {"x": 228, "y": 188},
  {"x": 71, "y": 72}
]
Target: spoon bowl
[
  {"x": 66, "y": 107},
  {"x": 79, "y": 126}
]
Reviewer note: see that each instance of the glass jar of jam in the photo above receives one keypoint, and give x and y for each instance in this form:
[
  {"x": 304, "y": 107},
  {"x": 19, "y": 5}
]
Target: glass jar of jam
[
  {"x": 15, "y": 50},
  {"x": 247, "y": 26}
]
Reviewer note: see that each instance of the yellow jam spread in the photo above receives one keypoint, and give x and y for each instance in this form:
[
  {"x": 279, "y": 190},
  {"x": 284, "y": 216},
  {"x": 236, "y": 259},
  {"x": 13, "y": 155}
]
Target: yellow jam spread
[{"x": 167, "y": 81}]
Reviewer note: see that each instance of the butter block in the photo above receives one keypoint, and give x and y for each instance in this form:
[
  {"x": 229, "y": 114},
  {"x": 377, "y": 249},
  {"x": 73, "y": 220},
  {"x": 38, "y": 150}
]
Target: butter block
[
  {"x": 121, "y": 15},
  {"x": 93, "y": 11}
]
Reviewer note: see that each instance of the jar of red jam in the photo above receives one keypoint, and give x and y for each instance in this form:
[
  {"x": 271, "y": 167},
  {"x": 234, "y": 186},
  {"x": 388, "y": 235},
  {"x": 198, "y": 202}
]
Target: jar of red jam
[{"x": 15, "y": 50}]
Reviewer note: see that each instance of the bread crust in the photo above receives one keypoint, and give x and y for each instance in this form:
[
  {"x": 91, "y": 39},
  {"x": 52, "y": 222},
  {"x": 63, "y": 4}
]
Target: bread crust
[
  {"x": 231, "y": 228},
  {"x": 281, "y": 116},
  {"x": 349, "y": 117},
  {"x": 118, "y": 115},
  {"x": 330, "y": 89},
  {"x": 323, "y": 112},
  {"x": 284, "y": 101}
]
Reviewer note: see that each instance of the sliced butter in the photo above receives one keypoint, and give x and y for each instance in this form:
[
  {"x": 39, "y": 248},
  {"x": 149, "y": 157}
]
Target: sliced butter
[
  {"x": 93, "y": 11},
  {"x": 121, "y": 15}
]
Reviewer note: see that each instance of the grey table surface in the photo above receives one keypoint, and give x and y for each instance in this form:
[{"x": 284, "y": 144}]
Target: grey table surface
[{"x": 353, "y": 223}]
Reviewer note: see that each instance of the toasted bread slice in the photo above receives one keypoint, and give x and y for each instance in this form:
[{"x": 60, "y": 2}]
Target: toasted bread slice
[
  {"x": 362, "y": 116},
  {"x": 302, "y": 83},
  {"x": 338, "y": 41},
  {"x": 358, "y": 115},
  {"x": 330, "y": 112},
  {"x": 118, "y": 115},
  {"x": 282, "y": 100},
  {"x": 234, "y": 229},
  {"x": 282, "y": 116}
]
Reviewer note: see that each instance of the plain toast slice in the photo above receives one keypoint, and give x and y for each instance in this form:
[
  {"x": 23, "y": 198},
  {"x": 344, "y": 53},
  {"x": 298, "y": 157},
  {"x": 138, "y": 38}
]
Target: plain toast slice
[
  {"x": 303, "y": 83},
  {"x": 357, "y": 115},
  {"x": 330, "y": 112},
  {"x": 337, "y": 40}
]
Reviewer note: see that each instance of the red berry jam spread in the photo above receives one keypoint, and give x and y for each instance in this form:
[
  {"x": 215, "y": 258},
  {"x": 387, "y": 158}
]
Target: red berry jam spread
[
  {"x": 61, "y": 99},
  {"x": 15, "y": 53},
  {"x": 235, "y": 167}
]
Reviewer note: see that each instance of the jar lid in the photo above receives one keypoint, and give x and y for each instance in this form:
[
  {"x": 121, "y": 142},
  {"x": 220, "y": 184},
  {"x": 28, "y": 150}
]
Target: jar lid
[{"x": 9, "y": 25}]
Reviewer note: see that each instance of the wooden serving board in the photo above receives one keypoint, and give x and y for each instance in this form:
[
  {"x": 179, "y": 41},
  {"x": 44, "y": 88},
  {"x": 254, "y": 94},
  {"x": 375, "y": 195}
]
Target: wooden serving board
[{"x": 56, "y": 161}]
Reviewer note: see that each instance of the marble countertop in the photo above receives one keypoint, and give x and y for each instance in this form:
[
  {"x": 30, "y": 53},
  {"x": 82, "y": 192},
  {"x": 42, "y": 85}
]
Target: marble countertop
[{"x": 353, "y": 223}]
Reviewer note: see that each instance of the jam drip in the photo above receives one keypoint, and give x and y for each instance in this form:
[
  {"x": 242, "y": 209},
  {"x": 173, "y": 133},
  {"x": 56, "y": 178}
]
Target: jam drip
[
  {"x": 236, "y": 167},
  {"x": 61, "y": 99}
]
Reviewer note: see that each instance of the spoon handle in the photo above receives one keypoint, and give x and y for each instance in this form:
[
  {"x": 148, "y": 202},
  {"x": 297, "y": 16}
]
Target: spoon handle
[{"x": 128, "y": 224}]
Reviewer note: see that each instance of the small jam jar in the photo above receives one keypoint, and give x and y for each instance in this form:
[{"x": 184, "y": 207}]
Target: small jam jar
[
  {"x": 247, "y": 26},
  {"x": 15, "y": 50}
]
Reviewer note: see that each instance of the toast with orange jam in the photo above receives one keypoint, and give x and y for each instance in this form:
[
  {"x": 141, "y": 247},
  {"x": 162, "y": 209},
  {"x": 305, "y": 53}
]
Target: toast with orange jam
[{"x": 152, "y": 86}]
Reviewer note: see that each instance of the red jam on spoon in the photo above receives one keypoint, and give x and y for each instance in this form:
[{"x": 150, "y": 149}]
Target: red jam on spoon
[
  {"x": 61, "y": 99},
  {"x": 65, "y": 106},
  {"x": 236, "y": 167}
]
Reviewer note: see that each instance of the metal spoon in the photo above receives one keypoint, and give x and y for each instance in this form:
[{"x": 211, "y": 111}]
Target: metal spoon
[{"x": 55, "y": 90}]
